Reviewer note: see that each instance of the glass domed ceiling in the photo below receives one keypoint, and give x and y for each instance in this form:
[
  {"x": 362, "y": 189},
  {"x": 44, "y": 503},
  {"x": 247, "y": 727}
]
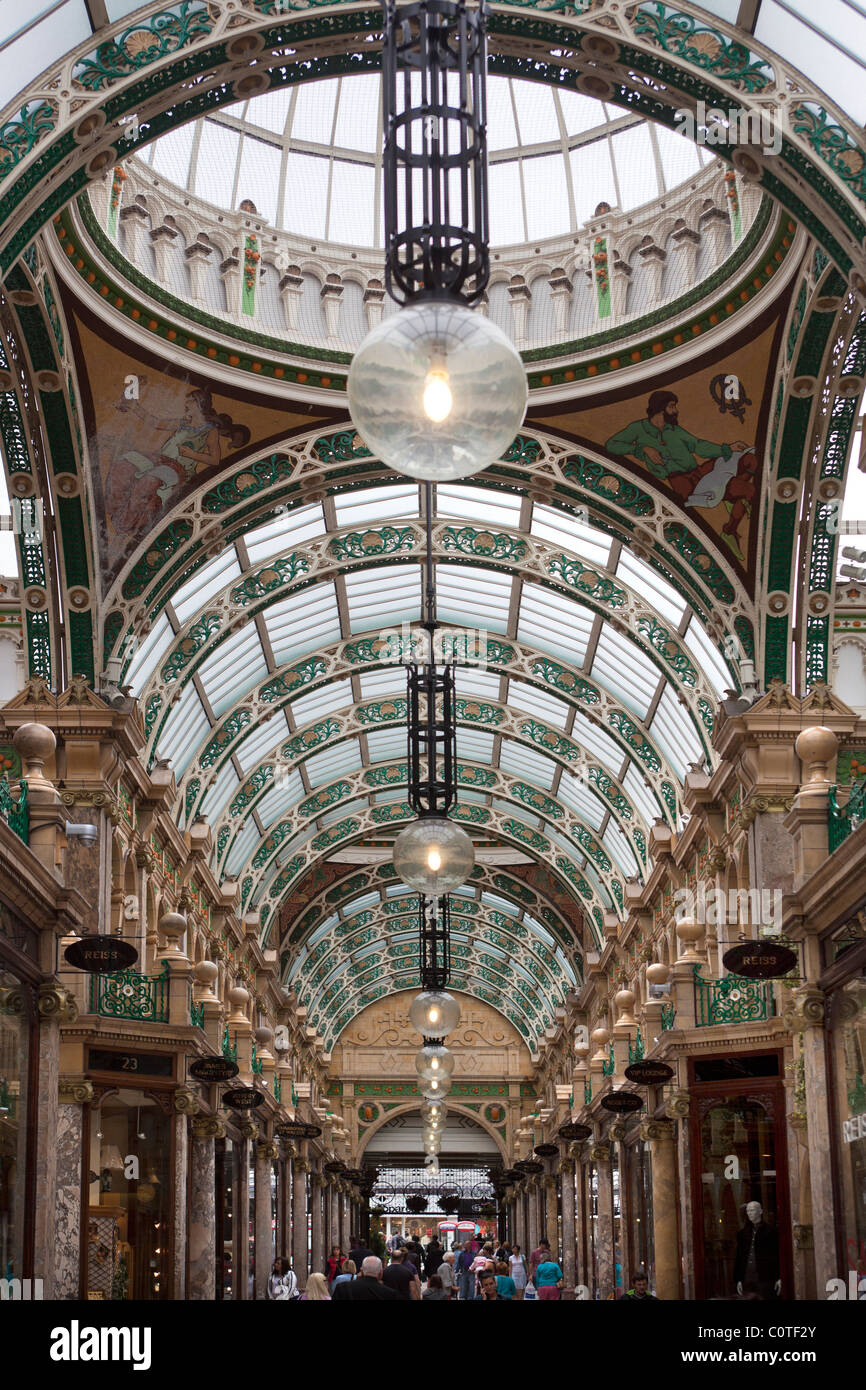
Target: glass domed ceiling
[{"x": 309, "y": 159}]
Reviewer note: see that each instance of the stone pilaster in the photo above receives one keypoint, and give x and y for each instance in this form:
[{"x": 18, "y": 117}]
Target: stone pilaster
[
  {"x": 807, "y": 1017},
  {"x": 73, "y": 1094},
  {"x": 241, "y": 1219},
  {"x": 202, "y": 1219},
  {"x": 569, "y": 1250},
  {"x": 266, "y": 1153},
  {"x": 317, "y": 1223},
  {"x": 54, "y": 1004},
  {"x": 532, "y": 1227},
  {"x": 580, "y": 1220},
  {"x": 600, "y": 1154},
  {"x": 660, "y": 1136},
  {"x": 300, "y": 1168},
  {"x": 185, "y": 1105},
  {"x": 550, "y": 1211}
]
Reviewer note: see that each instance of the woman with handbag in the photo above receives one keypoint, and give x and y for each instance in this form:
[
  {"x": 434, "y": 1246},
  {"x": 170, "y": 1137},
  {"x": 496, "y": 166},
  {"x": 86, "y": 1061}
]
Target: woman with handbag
[
  {"x": 282, "y": 1282},
  {"x": 517, "y": 1265}
]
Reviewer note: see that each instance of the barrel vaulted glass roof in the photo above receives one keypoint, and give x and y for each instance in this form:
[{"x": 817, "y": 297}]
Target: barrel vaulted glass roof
[{"x": 309, "y": 158}]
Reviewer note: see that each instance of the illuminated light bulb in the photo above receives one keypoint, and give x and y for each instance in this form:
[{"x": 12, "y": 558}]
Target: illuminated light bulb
[
  {"x": 434, "y": 861},
  {"x": 434, "y": 856},
  {"x": 434, "y": 1064},
  {"x": 434, "y": 1014},
  {"x": 437, "y": 398}
]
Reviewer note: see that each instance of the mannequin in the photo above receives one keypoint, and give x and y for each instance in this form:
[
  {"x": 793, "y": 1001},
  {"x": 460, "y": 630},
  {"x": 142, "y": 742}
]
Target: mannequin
[{"x": 756, "y": 1266}]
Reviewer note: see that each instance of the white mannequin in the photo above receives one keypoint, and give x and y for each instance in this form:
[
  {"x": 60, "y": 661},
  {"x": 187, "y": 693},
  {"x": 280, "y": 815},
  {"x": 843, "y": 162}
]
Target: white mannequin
[{"x": 755, "y": 1214}]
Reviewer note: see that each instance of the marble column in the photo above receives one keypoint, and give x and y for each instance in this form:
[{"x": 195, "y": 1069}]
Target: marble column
[
  {"x": 616, "y": 1134},
  {"x": 600, "y": 1154},
  {"x": 266, "y": 1153},
  {"x": 73, "y": 1095},
  {"x": 660, "y": 1135},
  {"x": 807, "y": 1018},
  {"x": 185, "y": 1105},
  {"x": 569, "y": 1252},
  {"x": 550, "y": 1212},
  {"x": 300, "y": 1167},
  {"x": 54, "y": 1004},
  {"x": 317, "y": 1223},
  {"x": 202, "y": 1217},
  {"x": 520, "y": 1218},
  {"x": 241, "y": 1215},
  {"x": 532, "y": 1229},
  {"x": 580, "y": 1224},
  {"x": 333, "y": 1200}
]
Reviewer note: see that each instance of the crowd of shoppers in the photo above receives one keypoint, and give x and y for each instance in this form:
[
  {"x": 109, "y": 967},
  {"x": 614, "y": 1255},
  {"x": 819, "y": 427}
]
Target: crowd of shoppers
[{"x": 471, "y": 1271}]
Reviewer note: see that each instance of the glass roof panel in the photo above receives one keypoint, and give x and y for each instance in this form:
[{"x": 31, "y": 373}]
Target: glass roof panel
[
  {"x": 505, "y": 197},
  {"x": 372, "y": 504},
  {"x": 383, "y": 684},
  {"x": 259, "y": 176},
  {"x": 346, "y": 808},
  {"x": 386, "y": 745},
  {"x": 635, "y": 166},
  {"x": 302, "y": 622},
  {"x": 535, "y": 702},
  {"x": 473, "y": 597},
  {"x": 359, "y": 116},
  {"x": 592, "y": 178},
  {"x": 649, "y": 584},
  {"x": 580, "y": 113},
  {"x": 380, "y": 599},
  {"x": 618, "y": 846},
  {"x": 474, "y": 746},
  {"x": 314, "y": 111},
  {"x": 272, "y": 108},
  {"x": 680, "y": 157},
  {"x": 243, "y": 846},
  {"x": 598, "y": 743},
  {"x": 574, "y": 792},
  {"x": 536, "y": 117},
  {"x": 522, "y": 762},
  {"x": 151, "y": 651},
  {"x": 235, "y": 665},
  {"x": 215, "y": 165},
  {"x": 561, "y": 528},
  {"x": 485, "y": 507},
  {"x": 320, "y": 702},
  {"x": 263, "y": 740},
  {"x": 352, "y": 203},
  {"x": 305, "y": 206},
  {"x": 640, "y": 794},
  {"x": 553, "y": 623},
  {"x": 219, "y": 795},
  {"x": 32, "y": 35},
  {"x": 546, "y": 192},
  {"x": 827, "y": 43},
  {"x": 629, "y": 674},
  {"x": 333, "y": 763},
  {"x": 284, "y": 531},
  {"x": 675, "y": 734},
  {"x": 184, "y": 729},
  {"x": 502, "y": 132},
  {"x": 205, "y": 583},
  {"x": 708, "y": 655},
  {"x": 170, "y": 155},
  {"x": 289, "y": 790},
  {"x": 477, "y": 685}
]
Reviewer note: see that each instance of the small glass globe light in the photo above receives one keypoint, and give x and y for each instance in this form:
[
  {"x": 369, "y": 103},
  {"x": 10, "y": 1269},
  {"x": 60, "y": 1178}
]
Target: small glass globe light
[
  {"x": 434, "y": 856},
  {"x": 432, "y": 1090},
  {"x": 434, "y": 1060},
  {"x": 437, "y": 391},
  {"x": 432, "y": 1146},
  {"x": 433, "y": 1110},
  {"x": 434, "y": 1013}
]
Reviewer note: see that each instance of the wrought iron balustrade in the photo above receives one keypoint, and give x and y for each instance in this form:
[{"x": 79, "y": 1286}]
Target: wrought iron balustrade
[
  {"x": 15, "y": 811},
  {"x": 841, "y": 820},
  {"x": 732, "y": 999},
  {"x": 128, "y": 994},
  {"x": 669, "y": 1013},
  {"x": 196, "y": 1014},
  {"x": 636, "y": 1053}
]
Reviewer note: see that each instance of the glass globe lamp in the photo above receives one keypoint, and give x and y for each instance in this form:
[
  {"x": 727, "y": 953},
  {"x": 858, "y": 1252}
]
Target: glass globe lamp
[
  {"x": 434, "y": 1060},
  {"x": 433, "y": 1110},
  {"x": 439, "y": 1086},
  {"x": 437, "y": 391},
  {"x": 433, "y": 856},
  {"x": 434, "y": 1013},
  {"x": 432, "y": 1146}
]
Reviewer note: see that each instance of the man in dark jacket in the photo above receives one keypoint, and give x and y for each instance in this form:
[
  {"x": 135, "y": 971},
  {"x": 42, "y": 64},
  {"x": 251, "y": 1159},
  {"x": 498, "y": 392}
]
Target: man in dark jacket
[
  {"x": 756, "y": 1266},
  {"x": 402, "y": 1277},
  {"x": 367, "y": 1287},
  {"x": 359, "y": 1252},
  {"x": 433, "y": 1257},
  {"x": 639, "y": 1292}
]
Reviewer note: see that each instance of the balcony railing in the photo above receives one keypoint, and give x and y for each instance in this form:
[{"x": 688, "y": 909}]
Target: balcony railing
[
  {"x": 15, "y": 811},
  {"x": 127, "y": 994},
  {"x": 732, "y": 999},
  {"x": 843, "y": 819}
]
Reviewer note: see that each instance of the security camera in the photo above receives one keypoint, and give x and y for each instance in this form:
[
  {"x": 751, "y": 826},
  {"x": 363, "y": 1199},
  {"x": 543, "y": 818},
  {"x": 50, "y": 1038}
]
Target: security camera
[
  {"x": 659, "y": 991},
  {"x": 87, "y": 834}
]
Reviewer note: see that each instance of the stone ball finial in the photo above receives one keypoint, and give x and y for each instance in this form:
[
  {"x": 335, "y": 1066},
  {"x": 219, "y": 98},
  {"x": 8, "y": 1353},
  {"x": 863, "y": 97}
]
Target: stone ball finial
[
  {"x": 206, "y": 973},
  {"x": 36, "y": 744},
  {"x": 624, "y": 1001},
  {"x": 689, "y": 932},
  {"x": 238, "y": 998},
  {"x": 816, "y": 748},
  {"x": 601, "y": 1037},
  {"x": 658, "y": 973},
  {"x": 172, "y": 925},
  {"x": 264, "y": 1036}
]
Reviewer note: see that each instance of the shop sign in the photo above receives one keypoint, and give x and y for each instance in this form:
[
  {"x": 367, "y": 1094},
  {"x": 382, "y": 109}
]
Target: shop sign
[
  {"x": 213, "y": 1069},
  {"x": 133, "y": 1063},
  {"x": 620, "y": 1102},
  {"x": 242, "y": 1098},
  {"x": 101, "y": 955},
  {"x": 649, "y": 1073},
  {"x": 854, "y": 1129},
  {"x": 759, "y": 960},
  {"x": 296, "y": 1129}
]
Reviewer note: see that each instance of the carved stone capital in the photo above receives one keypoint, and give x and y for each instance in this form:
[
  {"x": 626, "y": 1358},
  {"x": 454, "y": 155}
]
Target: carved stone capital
[
  {"x": 248, "y": 1130},
  {"x": 656, "y": 1131},
  {"x": 549, "y": 1183},
  {"x": 566, "y": 1165},
  {"x": 677, "y": 1105},
  {"x": 186, "y": 1102},
  {"x": 807, "y": 1008},
  {"x": 267, "y": 1149},
  {"x": 302, "y": 1165},
  {"x": 73, "y": 1090},
  {"x": 208, "y": 1127},
  {"x": 617, "y": 1130},
  {"x": 56, "y": 1002},
  {"x": 600, "y": 1153},
  {"x": 290, "y": 1150}
]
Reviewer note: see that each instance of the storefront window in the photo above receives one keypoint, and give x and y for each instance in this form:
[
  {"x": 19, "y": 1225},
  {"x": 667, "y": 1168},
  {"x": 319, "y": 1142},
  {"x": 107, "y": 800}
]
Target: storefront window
[
  {"x": 617, "y": 1216},
  {"x": 225, "y": 1227},
  {"x": 640, "y": 1204},
  {"x": 129, "y": 1198},
  {"x": 14, "y": 1044},
  {"x": 848, "y": 1044},
  {"x": 592, "y": 1190},
  {"x": 738, "y": 1171},
  {"x": 251, "y": 1184}
]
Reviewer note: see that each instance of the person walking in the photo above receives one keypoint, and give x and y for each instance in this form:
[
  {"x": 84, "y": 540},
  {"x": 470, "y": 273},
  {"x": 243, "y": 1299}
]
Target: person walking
[
  {"x": 282, "y": 1282},
  {"x": 346, "y": 1275},
  {"x": 465, "y": 1277},
  {"x": 447, "y": 1276},
  {"x": 316, "y": 1290},
  {"x": 489, "y": 1291},
  {"x": 542, "y": 1252},
  {"x": 367, "y": 1287},
  {"x": 434, "y": 1291},
  {"x": 504, "y": 1281},
  {"x": 359, "y": 1252},
  {"x": 639, "y": 1292},
  {"x": 433, "y": 1257},
  {"x": 333, "y": 1265},
  {"x": 517, "y": 1267},
  {"x": 548, "y": 1279},
  {"x": 402, "y": 1277}
]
